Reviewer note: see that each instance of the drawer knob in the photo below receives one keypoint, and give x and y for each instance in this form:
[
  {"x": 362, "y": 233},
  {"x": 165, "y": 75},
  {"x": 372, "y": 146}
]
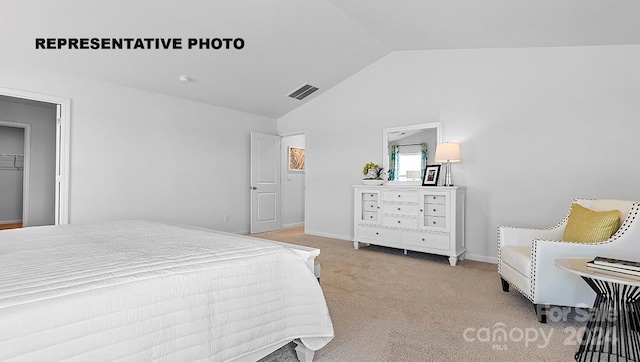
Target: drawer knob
[
  {"x": 377, "y": 233},
  {"x": 399, "y": 196},
  {"x": 434, "y": 209},
  {"x": 422, "y": 239},
  {"x": 398, "y": 221},
  {"x": 371, "y": 217},
  {"x": 434, "y": 223},
  {"x": 398, "y": 209},
  {"x": 420, "y": 210}
]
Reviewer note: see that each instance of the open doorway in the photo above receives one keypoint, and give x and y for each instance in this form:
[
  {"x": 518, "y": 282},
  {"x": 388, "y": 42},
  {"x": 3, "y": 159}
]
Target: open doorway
[
  {"x": 293, "y": 176},
  {"x": 27, "y": 164},
  {"x": 45, "y": 120},
  {"x": 278, "y": 177}
]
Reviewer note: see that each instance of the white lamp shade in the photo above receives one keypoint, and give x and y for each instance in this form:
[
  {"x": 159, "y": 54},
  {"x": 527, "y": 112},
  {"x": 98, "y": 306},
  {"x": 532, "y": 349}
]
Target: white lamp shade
[{"x": 448, "y": 152}]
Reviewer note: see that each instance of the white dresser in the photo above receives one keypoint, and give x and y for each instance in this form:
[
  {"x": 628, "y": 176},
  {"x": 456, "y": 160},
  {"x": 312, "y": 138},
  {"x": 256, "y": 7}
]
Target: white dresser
[{"x": 419, "y": 218}]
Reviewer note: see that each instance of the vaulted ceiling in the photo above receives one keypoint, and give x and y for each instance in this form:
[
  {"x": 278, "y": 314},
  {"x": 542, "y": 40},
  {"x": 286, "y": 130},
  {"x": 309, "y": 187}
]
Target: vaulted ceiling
[{"x": 289, "y": 42}]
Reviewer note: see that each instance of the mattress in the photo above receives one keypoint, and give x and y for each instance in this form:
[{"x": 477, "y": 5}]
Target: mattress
[{"x": 142, "y": 290}]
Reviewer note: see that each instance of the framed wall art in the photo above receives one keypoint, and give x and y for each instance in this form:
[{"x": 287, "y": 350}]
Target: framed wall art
[
  {"x": 296, "y": 159},
  {"x": 431, "y": 174}
]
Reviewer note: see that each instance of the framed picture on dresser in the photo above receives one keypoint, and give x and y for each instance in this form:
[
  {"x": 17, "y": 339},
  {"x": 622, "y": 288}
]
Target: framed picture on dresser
[{"x": 430, "y": 176}]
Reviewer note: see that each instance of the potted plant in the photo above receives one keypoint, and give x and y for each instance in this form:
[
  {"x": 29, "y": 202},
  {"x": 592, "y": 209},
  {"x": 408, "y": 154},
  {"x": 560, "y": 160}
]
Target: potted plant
[{"x": 372, "y": 174}]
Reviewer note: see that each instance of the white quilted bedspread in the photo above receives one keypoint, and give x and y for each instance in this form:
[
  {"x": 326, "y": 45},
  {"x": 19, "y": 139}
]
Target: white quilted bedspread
[{"x": 141, "y": 291}]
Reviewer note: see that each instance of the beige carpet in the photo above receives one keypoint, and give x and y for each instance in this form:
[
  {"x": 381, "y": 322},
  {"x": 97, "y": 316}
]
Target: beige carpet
[{"x": 386, "y": 306}]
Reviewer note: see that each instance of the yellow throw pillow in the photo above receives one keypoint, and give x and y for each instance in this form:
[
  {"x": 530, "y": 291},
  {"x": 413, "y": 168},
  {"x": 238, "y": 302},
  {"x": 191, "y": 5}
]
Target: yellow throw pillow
[{"x": 588, "y": 226}]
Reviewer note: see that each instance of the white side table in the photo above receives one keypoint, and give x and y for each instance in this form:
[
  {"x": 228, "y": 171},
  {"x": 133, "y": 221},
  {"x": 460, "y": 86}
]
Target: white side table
[{"x": 613, "y": 328}]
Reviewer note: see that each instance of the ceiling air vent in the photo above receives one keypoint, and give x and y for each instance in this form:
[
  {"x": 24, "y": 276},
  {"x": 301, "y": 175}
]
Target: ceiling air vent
[{"x": 303, "y": 92}]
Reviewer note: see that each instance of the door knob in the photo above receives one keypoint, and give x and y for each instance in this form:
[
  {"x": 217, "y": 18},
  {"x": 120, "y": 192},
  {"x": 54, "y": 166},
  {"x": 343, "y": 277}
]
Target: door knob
[{"x": 254, "y": 188}]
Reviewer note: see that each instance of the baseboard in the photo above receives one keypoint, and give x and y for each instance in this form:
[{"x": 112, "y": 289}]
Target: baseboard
[
  {"x": 293, "y": 225},
  {"x": 10, "y": 221},
  {"x": 482, "y": 258},
  {"x": 327, "y": 235}
]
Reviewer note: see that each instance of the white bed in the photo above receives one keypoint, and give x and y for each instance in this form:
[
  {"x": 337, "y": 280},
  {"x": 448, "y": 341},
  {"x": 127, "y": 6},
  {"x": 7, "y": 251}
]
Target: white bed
[{"x": 142, "y": 291}]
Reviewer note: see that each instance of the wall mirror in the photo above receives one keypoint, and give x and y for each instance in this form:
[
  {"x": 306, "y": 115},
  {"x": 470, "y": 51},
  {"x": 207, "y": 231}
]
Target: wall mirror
[{"x": 407, "y": 150}]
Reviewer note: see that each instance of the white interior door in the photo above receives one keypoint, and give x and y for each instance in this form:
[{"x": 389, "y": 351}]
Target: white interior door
[{"x": 265, "y": 182}]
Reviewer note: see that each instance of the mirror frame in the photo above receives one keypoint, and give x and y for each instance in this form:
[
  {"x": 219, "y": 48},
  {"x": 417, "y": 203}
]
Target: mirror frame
[{"x": 385, "y": 146}]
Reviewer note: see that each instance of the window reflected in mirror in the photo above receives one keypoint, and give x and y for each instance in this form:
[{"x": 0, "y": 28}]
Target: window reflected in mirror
[
  {"x": 406, "y": 162},
  {"x": 410, "y": 151},
  {"x": 410, "y": 167}
]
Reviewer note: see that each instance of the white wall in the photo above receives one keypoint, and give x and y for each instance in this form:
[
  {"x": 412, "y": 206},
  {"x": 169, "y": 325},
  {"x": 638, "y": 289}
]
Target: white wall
[
  {"x": 11, "y": 143},
  {"x": 538, "y": 127},
  {"x": 42, "y": 118},
  {"x": 136, "y": 154},
  {"x": 292, "y": 184}
]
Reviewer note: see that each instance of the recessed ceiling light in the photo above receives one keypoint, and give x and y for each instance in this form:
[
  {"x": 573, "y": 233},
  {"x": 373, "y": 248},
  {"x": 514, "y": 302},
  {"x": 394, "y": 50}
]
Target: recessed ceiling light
[{"x": 184, "y": 78}]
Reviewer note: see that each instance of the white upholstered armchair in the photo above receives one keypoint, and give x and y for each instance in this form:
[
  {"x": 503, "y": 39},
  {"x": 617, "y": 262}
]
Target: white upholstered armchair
[{"x": 526, "y": 257}]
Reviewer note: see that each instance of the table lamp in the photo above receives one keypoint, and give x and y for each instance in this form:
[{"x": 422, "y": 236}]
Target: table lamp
[{"x": 448, "y": 152}]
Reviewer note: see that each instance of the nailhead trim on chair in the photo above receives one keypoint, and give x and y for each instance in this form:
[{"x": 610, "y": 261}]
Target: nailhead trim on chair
[
  {"x": 500, "y": 271},
  {"x": 626, "y": 224},
  {"x": 534, "y": 254},
  {"x": 500, "y": 263},
  {"x": 499, "y": 253},
  {"x": 635, "y": 208},
  {"x": 633, "y": 212},
  {"x": 532, "y": 273}
]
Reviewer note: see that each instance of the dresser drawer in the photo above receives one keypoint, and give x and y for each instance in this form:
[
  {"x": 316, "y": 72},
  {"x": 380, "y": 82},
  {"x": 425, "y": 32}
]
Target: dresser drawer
[
  {"x": 425, "y": 240},
  {"x": 434, "y": 199},
  {"x": 434, "y": 209},
  {"x": 400, "y": 195},
  {"x": 435, "y": 221},
  {"x": 369, "y": 205},
  {"x": 389, "y": 236},
  {"x": 400, "y": 209},
  {"x": 370, "y": 216},
  {"x": 370, "y": 196},
  {"x": 400, "y": 222}
]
